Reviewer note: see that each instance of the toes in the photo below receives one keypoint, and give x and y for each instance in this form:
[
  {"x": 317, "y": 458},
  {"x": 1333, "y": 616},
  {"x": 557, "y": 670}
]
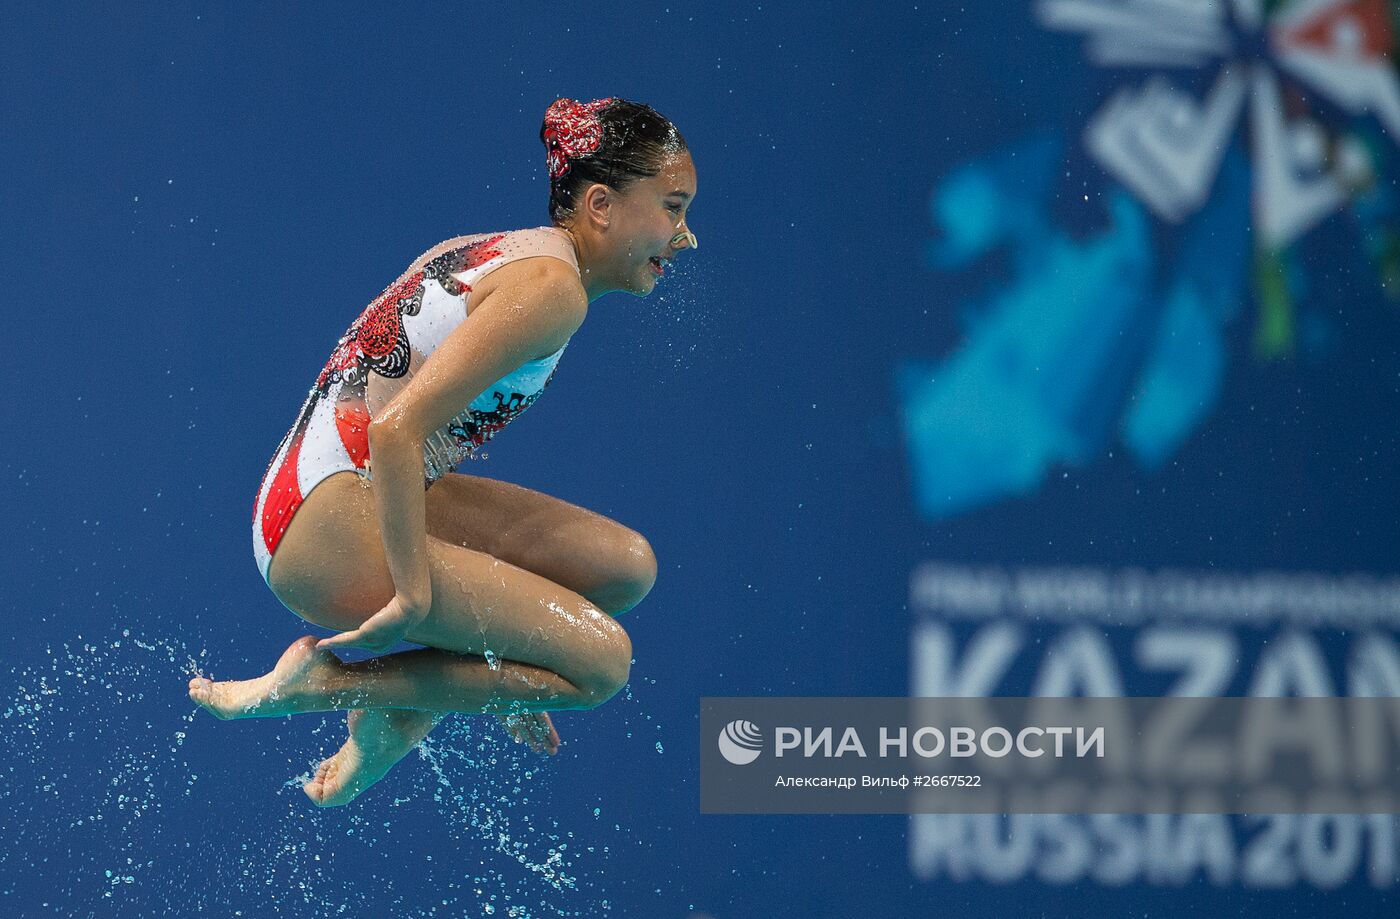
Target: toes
[
  {"x": 202, "y": 692},
  {"x": 324, "y": 790},
  {"x": 334, "y": 797},
  {"x": 533, "y": 729},
  {"x": 543, "y": 738},
  {"x": 316, "y": 788}
]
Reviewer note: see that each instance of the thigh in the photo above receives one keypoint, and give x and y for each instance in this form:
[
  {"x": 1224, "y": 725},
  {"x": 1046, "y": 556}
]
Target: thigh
[
  {"x": 483, "y": 605},
  {"x": 330, "y": 570},
  {"x": 586, "y": 552}
]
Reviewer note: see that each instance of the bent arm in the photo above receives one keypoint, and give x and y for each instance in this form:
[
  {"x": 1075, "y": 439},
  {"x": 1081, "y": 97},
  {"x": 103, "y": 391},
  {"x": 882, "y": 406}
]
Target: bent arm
[
  {"x": 533, "y": 311},
  {"x": 400, "y": 502}
]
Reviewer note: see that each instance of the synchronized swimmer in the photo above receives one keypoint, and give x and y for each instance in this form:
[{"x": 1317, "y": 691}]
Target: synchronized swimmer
[{"x": 512, "y": 593}]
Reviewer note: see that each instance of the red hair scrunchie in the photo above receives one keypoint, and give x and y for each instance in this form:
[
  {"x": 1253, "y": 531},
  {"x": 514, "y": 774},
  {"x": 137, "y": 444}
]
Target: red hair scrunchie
[{"x": 572, "y": 129}]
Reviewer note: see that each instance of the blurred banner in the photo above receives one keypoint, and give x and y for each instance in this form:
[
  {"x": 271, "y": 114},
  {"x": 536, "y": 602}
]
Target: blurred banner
[{"x": 1245, "y": 158}]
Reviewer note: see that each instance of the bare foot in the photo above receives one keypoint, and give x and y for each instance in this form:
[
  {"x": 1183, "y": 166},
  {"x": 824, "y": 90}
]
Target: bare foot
[
  {"x": 379, "y": 738},
  {"x": 301, "y": 671},
  {"x": 533, "y": 728}
]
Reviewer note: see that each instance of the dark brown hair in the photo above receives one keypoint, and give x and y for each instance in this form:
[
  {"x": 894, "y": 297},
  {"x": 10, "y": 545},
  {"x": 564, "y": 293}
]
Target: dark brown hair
[{"x": 636, "y": 140}]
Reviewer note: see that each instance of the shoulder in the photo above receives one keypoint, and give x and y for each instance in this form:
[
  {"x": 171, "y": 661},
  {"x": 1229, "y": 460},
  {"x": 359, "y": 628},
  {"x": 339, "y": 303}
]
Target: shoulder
[
  {"x": 540, "y": 296},
  {"x": 543, "y": 279}
]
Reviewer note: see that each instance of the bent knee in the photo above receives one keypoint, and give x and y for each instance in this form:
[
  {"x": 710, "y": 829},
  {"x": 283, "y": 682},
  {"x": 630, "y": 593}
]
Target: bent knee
[
  {"x": 611, "y": 667},
  {"x": 631, "y": 576}
]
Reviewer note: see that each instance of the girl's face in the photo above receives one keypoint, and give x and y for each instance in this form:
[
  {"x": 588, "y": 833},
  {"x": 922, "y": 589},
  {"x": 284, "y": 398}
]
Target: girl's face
[{"x": 651, "y": 213}]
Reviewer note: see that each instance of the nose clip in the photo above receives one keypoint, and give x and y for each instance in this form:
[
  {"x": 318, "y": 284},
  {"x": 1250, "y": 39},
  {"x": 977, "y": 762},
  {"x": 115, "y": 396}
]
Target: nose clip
[{"x": 687, "y": 237}]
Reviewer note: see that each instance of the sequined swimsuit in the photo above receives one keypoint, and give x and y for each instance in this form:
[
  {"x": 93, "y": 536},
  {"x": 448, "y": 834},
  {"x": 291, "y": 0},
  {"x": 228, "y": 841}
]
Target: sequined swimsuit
[{"x": 375, "y": 359}]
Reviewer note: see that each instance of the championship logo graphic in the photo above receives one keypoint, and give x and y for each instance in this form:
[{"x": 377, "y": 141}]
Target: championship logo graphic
[
  {"x": 1235, "y": 135},
  {"x": 1247, "y": 149}
]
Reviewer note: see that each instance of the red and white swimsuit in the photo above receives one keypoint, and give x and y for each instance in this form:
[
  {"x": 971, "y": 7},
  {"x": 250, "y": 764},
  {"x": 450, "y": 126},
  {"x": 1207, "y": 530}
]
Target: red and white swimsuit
[{"x": 376, "y": 358}]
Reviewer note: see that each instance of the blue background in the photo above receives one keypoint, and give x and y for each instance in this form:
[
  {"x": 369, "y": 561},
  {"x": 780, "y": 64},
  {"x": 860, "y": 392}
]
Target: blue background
[{"x": 199, "y": 198}]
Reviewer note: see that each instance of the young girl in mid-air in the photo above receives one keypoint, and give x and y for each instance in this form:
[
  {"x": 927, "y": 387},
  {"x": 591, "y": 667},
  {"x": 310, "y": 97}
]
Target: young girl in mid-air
[{"x": 360, "y": 526}]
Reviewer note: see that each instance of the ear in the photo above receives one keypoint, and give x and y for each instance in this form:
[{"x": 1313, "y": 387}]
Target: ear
[{"x": 598, "y": 202}]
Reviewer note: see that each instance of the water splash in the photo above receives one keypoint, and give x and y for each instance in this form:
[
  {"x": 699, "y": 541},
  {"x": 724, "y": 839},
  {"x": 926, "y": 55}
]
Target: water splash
[
  {"x": 675, "y": 321},
  {"x": 160, "y": 809}
]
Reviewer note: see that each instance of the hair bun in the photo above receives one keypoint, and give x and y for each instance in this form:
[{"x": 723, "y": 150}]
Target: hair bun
[{"x": 571, "y": 129}]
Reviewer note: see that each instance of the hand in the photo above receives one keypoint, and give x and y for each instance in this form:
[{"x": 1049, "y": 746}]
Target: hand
[
  {"x": 381, "y": 631},
  {"x": 533, "y": 728}
]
